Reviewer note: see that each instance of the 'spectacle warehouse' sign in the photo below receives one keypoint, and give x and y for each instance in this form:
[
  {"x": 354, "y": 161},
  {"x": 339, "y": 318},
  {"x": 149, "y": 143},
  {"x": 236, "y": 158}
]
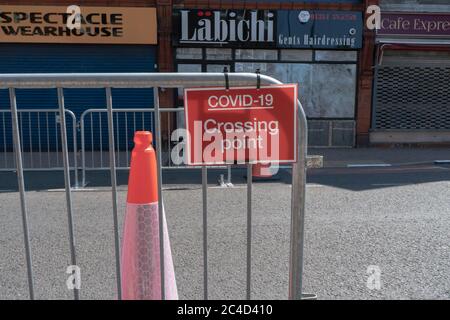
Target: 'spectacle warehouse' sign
[
  {"x": 55, "y": 24},
  {"x": 325, "y": 29},
  {"x": 241, "y": 125},
  {"x": 224, "y": 27}
]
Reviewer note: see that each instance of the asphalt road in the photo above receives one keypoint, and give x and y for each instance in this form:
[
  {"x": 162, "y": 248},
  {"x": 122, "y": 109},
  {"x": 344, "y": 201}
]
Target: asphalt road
[{"x": 397, "y": 219}]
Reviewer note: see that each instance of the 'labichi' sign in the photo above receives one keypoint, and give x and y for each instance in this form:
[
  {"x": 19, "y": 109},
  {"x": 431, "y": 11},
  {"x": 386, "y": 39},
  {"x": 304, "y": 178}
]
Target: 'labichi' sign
[
  {"x": 224, "y": 28},
  {"x": 61, "y": 24}
]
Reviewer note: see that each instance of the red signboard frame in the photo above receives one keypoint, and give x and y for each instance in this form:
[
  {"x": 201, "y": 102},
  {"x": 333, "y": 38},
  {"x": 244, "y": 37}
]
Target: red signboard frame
[{"x": 282, "y": 113}]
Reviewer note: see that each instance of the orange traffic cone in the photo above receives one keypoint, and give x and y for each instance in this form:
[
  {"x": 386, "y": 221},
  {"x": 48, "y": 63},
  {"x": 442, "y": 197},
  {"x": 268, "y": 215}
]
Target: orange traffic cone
[{"x": 141, "y": 275}]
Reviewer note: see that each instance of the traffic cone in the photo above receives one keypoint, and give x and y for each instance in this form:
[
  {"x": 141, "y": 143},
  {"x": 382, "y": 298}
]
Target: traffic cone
[{"x": 141, "y": 275}]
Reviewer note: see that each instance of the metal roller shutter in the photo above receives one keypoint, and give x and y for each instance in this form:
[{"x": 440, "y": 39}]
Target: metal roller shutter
[
  {"x": 412, "y": 95},
  {"x": 415, "y": 98},
  {"x": 68, "y": 58}
]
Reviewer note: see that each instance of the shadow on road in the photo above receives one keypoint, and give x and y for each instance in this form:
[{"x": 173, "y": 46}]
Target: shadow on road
[
  {"x": 360, "y": 179},
  {"x": 357, "y": 179},
  {"x": 44, "y": 180}
]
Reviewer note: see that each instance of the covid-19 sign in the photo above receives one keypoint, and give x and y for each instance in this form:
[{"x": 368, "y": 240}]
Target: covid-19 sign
[{"x": 241, "y": 125}]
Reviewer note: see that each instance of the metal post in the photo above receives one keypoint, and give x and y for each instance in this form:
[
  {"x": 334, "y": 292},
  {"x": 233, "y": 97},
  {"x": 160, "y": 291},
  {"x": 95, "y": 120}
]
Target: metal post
[
  {"x": 100, "y": 136},
  {"x": 65, "y": 152},
  {"x": 298, "y": 210},
  {"x": 92, "y": 140},
  {"x": 126, "y": 135},
  {"x": 20, "y": 182},
  {"x": 4, "y": 140},
  {"x": 249, "y": 229},
  {"x": 118, "y": 139},
  {"x": 48, "y": 138},
  {"x": 83, "y": 154},
  {"x": 205, "y": 230},
  {"x": 39, "y": 138},
  {"x": 112, "y": 165},
  {"x": 56, "y": 139},
  {"x": 75, "y": 148},
  {"x": 160, "y": 199},
  {"x": 229, "y": 183},
  {"x": 30, "y": 140}
]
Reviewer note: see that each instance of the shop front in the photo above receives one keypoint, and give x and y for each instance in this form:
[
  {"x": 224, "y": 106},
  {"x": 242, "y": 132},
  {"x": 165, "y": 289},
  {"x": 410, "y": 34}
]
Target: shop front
[
  {"x": 411, "y": 102},
  {"x": 48, "y": 39},
  {"x": 318, "y": 49}
]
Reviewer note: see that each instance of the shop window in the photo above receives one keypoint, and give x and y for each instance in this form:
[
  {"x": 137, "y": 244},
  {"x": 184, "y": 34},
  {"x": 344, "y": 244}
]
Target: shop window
[
  {"x": 325, "y": 90},
  {"x": 401, "y": 57},
  {"x": 217, "y": 67},
  {"x": 184, "y": 67},
  {"x": 296, "y": 55},
  {"x": 256, "y": 54},
  {"x": 250, "y": 67},
  {"x": 335, "y": 55},
  {"x": 189, "y": 53},
  {"x": 218, "y": 54},
  {"x": 331, "y": 91},
  {"x": 187, "y": 68}
]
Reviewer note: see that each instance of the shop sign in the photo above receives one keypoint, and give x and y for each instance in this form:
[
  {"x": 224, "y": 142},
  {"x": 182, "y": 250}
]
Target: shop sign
[
  {"x": 97, "y": 25},
  {"x": 415, "y": 24},
  {"x": 322, "y": 29},
  {"x": 224, "y": 28},
  {"x": 241, "y": 125}
]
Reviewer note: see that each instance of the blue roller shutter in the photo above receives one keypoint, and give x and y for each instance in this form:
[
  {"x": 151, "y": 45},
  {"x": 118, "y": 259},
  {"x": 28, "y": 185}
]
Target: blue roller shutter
[{"x": 68, "y": 58}]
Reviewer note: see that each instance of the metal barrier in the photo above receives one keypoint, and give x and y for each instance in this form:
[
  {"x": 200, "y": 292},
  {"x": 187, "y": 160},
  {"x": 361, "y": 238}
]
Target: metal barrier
[
  {"x": 40, "y": 142},
  {"x": 94, "y": 132},
  {"x": 332, "y": 133},
  {"x": 156, "y": 81},
  {"x": 95, "y": 145}
]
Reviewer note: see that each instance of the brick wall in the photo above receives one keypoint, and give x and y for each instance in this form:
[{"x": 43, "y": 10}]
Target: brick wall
[
  {"x": 217, "y": 4},
  {"x": 365, "y": 82}
]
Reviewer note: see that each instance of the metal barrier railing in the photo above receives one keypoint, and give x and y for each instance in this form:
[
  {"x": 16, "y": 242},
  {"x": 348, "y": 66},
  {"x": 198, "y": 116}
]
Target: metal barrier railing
[
  {"x": 94, "y": 136},
  {"x": 332, "y": 133},
  {"x": 156, "y": 81},
  {"x": 95, "y": 145},
  {"x": 40, "y": 140}
]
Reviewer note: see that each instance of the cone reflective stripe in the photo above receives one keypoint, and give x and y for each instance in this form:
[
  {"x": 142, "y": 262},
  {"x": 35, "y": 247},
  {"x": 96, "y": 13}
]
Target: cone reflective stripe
[{"x": 141, "y": 273}]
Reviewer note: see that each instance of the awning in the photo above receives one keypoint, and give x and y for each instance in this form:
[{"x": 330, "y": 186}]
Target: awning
[
  {"x": 413, "y": 41},
  {"x": 409, "y": 45}
]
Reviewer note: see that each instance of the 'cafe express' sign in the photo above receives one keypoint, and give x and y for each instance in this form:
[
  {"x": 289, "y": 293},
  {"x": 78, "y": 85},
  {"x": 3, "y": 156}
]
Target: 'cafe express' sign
[
  {"x": 55, "y": 24},
  {"x": 415, "y": 24}
]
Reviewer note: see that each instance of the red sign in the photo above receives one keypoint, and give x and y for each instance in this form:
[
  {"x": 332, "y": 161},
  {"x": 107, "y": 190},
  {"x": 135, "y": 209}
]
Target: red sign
[{"x": 241, "y": 125}]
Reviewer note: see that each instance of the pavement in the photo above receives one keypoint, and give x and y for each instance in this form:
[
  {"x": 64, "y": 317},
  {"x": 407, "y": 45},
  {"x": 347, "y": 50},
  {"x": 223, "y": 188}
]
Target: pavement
[
  {"x": 343, "y": 157},
  {"x": 395, "y": 219}
]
